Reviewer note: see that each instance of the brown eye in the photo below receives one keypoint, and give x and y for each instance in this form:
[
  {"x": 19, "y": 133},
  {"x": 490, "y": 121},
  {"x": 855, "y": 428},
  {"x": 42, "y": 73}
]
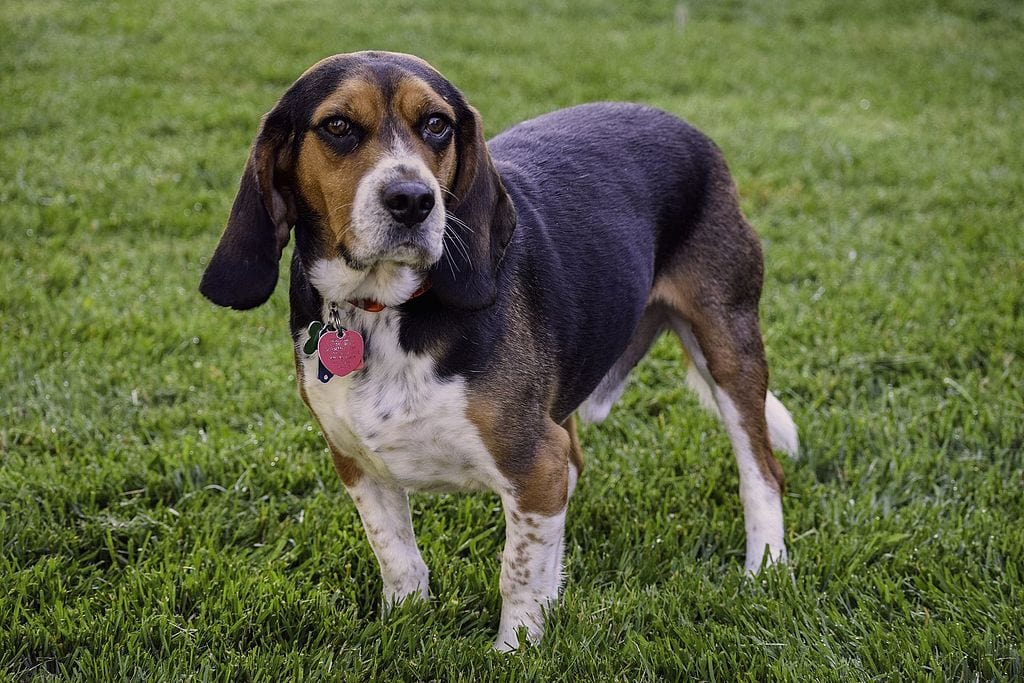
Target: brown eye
[
  {"x": 436, "y": 126},
  {"x": 337, "y": 126}
]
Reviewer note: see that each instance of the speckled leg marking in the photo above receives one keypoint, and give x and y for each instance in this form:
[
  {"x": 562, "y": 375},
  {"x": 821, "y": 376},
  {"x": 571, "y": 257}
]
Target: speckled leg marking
[
  {"x": 384, "y": 510},
  {"x": 531, "y": 564},
  {"x": 531, "y": 573}
]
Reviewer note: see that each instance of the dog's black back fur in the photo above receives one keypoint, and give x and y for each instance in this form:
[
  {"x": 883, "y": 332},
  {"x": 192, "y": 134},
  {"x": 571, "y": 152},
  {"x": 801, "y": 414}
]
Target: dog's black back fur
[{"x": 596, "y": 248}]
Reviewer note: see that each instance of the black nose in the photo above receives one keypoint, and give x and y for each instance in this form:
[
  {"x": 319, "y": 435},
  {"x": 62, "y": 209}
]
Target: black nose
[{"x": 409, "y": 201}]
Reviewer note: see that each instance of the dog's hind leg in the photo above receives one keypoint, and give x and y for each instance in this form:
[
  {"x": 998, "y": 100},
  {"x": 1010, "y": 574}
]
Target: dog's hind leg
[
  {"x": 730, "y": 362},
  {"x": 782, "y": 431},
  {"x": 712, "y": 286}
]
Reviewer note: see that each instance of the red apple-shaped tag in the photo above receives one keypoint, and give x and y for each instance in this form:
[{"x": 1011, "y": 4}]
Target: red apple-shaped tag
[{"x": 341, "y": 353}]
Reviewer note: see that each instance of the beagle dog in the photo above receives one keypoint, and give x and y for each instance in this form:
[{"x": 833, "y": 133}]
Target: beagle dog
[{"x": 454, "y": 303}]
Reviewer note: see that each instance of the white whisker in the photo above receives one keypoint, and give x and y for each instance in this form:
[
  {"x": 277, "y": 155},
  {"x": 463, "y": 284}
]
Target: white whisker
[
  {"x": 457, "y": 244},
  {"x": 458, "y": 222}
]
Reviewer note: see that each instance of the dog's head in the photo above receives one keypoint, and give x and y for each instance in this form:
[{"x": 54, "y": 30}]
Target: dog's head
[{"x": 383, "y": 165}]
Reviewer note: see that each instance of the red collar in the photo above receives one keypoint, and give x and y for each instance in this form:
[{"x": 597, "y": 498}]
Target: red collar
[{"x": 374, "y": 306}]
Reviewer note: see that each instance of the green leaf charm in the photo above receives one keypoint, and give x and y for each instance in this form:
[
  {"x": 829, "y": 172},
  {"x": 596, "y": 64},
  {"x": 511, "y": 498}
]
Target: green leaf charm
[{"x": 315, "y": 329}]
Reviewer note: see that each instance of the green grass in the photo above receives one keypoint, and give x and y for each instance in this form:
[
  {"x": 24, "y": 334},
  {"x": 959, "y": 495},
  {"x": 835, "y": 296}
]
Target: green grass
[{"x": 167, "y": 508}]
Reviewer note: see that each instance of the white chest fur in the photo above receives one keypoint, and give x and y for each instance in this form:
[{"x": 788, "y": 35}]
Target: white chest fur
[{"x": 396, "y": 418}]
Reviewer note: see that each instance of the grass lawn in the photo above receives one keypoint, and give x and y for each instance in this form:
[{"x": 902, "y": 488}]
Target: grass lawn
[{"x": 167, "y": 507}]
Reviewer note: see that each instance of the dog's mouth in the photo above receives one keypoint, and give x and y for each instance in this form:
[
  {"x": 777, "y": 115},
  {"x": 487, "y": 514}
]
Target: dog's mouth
[
  {"x": 418, "y": 252},
  {"x": 392, "y": 243}
]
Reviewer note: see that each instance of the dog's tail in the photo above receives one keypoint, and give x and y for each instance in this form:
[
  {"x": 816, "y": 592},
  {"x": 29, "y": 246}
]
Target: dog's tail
[{"x": 781, "y": 429}]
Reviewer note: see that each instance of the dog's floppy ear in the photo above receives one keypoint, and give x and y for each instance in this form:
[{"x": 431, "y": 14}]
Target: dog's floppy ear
[
  {"x": 481, "y": 218},
  {"x": 243, "y": 270}
]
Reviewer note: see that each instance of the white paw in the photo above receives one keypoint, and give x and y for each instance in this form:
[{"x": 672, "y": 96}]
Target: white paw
[
  {"x": 415, "y": 585},
  {"x": 508, "y": 639},
  {"x": 756, "y": 561}
]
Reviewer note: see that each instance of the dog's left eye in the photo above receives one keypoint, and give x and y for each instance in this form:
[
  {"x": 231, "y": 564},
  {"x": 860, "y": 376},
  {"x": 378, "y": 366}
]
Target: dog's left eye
[
  {"x": 436, "y": 127},
  {"x": 337, "y": 126}
]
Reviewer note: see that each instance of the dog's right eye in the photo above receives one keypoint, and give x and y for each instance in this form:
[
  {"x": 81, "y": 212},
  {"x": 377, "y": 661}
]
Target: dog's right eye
[
  {"x": 340, "y": 134},
  {"x": 337, "y": 126}
]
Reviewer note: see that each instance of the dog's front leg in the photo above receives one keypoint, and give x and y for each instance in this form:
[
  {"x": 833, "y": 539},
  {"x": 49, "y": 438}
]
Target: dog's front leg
[
  {"x": 384, "y": 509},
  {"x": 531, "y": 564},
  {"x": 531, "y": 573}
]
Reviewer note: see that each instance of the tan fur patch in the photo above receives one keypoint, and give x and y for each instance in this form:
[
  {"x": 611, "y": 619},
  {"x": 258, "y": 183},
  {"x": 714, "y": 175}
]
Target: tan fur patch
[
  {"x": 356, "y": 98},
  {"x": 575, "y": 450},
  {"x": 345, "y": 466},
  {"x": 413, "y": 100},
  {"x": 543, "y": 486},
  {"x": 327, "y": 181},
  {"x": 483, "y": 413},
  {"x": 544, "y": 489}
]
